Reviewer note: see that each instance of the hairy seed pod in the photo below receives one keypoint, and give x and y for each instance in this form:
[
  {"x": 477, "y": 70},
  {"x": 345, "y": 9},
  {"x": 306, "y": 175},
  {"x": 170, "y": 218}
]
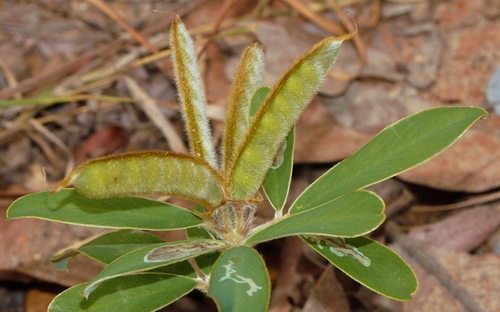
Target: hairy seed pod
[
  {"x": 148, "y": 173},
  {"x": 279, "y": 112},
  {"x": 191, "y": 93},
  {"x": 248, "y": 78}
]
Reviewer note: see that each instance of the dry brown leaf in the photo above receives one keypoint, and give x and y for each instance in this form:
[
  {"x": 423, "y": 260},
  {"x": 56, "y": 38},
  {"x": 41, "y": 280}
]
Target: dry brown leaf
[
  {"x": 217, "y": 84},
  {"x": 15, "y": 157},
  {"x": 286, "y": 278},
  {"x": 477, "y": 275},
  {"x": 327, "y": 294},
  {"x": 426, "y": 61},
  {"x": 463, "y": 231},
  {"x": 472, "y": 43},
  {"x": 297, "y": 41},
  {"x": 370, "y": 107},
  {"x": 320, "y": 139},
  {"x": 103, "y": 142},
  {"x": 472, "y": 164},
  {"x": 27, "y": 252},
  {"x": 38, "y": 301},
  {"x": 448, "y": 280}
]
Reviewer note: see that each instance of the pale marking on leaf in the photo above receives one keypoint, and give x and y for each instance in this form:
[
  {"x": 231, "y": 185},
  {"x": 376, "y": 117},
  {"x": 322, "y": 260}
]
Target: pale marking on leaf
[
  {"x": 171, "y": 252},
  {"x": 339, "y": 248},
  {"x": 231, "y": 274}
]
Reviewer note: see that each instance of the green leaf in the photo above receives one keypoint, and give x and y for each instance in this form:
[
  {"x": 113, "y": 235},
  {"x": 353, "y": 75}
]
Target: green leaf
[
  {"x": 68, "y": 206},
  {"x": 276, "y": 117},
  {"x": 353, "y": 214},
  {"x": 140, "y": 292},
  {"x": 277, "y": 182},
  {"x": 387, "y": 274},
  {"x": 399, "y": 147},
  {"x": 205, "y": 262},
  {"x": 239, "y": 281},
  {"x": 107, "y": 248},
  {"x": 183, "y": 268},
  {"x": 258, "y": 98},
  {"x": 151, "y": 257}
]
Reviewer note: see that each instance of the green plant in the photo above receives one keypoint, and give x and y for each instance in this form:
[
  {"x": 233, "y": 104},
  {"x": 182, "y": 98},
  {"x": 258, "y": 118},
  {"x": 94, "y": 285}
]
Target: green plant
[{"x": 145, "y": 273}]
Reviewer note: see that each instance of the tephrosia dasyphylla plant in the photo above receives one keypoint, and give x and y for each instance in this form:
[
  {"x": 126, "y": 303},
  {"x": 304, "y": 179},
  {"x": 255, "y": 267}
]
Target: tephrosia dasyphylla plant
[{"x": 145, "y": 273}]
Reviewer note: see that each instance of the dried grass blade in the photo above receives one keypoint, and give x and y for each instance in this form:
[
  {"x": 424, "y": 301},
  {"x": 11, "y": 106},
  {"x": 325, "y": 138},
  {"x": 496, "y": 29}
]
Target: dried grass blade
[{"x": 154, "y": 113}]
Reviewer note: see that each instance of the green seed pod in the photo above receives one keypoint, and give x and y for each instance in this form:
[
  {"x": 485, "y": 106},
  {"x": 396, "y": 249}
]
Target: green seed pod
[
  {"x": 248, "y": 78},
  {"x": 191, "y": 93},
  {"x": 148, "y": 173},
  {"x": 277, "y": 115}
]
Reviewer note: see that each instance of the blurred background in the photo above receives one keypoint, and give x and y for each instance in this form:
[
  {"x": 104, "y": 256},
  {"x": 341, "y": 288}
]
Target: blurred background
[{"x": 85, "y": 78}]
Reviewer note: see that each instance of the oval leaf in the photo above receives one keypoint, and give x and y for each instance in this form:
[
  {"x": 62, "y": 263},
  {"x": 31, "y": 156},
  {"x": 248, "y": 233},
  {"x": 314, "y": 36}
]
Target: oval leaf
[
  {"x": 239, "y": 281},
  {"x": 399, "y": 147},
  {"x": 140, "y": 292},
  {"x": 275, "y": 118},
  {"x": 353, "y": 214},
  {"x": 152, "y": 257},
  {"x": 107, "y": 247},
  {"x": 68, "y": 206},
  {"x": 277, "y": 182},
  {"x": 387, "y": 274},
  {"x": 148, "y": 173},
  {"x": 258, "y": 98},
  {"x": 205, "y": 262}
]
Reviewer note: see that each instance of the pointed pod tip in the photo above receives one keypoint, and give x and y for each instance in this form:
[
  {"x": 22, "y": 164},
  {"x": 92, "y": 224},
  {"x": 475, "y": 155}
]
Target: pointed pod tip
[
  {"x": 62, "y": 184},
  {"x": 57, "y": 190},
  {"x": 177, "y": 19},
  {"x": 347, "y": 36}
]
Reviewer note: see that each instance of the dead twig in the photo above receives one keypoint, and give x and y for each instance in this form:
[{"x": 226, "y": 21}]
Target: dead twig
[
  {"x": 228, "y": 5},
  {"x": 80, "y": 62},
  {"x": 61, "y": 71},
  {"x": 118, "y": 19},
  {"x": 475, "y": 200}
]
